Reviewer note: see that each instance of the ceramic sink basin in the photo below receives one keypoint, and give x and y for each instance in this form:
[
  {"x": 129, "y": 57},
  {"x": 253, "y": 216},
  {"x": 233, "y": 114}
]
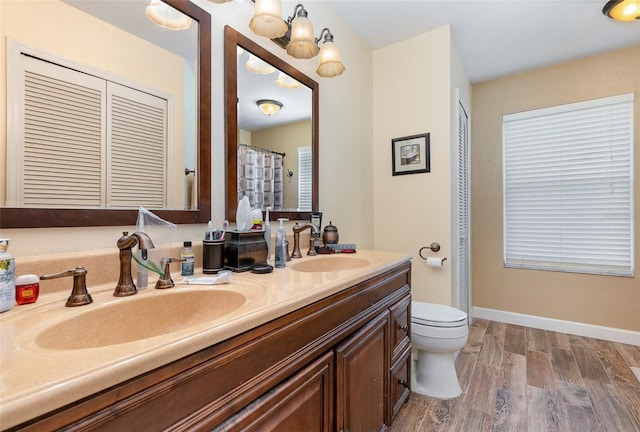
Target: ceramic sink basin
[
  {"x": 138, "y": 317},
  {"x": 329, "y": 264}
]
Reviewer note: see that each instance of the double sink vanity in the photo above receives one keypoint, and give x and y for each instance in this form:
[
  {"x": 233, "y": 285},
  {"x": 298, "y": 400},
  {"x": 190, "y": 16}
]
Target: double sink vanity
[{"x": 320, "y": 345}]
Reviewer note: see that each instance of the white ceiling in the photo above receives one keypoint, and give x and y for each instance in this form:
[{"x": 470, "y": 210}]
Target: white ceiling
[{"x": 494, "y": 38}]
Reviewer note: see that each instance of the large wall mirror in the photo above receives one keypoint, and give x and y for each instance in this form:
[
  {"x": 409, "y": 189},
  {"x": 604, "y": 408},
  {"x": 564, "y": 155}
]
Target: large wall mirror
[
  {"x": 272, "y": 157},
  {"x": 137, "y": 130}
]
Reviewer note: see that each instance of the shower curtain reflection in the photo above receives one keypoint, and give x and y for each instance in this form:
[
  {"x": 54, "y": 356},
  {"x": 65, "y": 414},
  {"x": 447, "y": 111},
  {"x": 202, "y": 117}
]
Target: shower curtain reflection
[{"x": 260, "y": 177}]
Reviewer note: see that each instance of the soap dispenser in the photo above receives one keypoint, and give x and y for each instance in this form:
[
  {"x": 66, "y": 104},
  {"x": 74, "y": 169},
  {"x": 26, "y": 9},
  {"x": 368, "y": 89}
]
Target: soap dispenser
[{"x": 281, "y": 247}]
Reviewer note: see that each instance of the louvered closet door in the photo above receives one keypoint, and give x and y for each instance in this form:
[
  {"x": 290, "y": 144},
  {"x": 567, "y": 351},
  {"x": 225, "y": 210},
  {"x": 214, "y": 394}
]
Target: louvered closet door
[
  {"x": 63, "y": 137},
  {"x": 463, "y": 247},
  {"x": 137, "y": 142}
]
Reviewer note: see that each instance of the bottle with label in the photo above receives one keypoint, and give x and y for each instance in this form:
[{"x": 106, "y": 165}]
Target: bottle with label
[
  {"x": 281, "y": 248},
  {"x": 186, "y": 266},
  {"x": 7, "y": 277}
]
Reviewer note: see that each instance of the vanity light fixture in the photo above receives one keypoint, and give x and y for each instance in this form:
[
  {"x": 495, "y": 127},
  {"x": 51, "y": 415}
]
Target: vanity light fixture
[
  {"x": 259, "y": 66},
  {"x": 302, "y": 44},
  {"x": 329, "y": 64},
  {"x": 267, "y": 19},
  {"x": 220, "y": 1},
  {"x": 269, "y": 106},
  {"x": 285, "y": 81},
  {"x": 165, "y": 16},
  {"x": 622, "y": 10},
  {"x": 296, "y": 35}
]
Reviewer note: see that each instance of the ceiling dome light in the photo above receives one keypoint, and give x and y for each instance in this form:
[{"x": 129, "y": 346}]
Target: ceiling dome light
[
  {"x": 285, "y": 81},
  {"x": 259, "y": 66},
  {"x": 622, "y": 10},
  {"x": 267, "y": 19},
  {"x": 269, "y": 106},
  {"x": 165, "y": 16}
]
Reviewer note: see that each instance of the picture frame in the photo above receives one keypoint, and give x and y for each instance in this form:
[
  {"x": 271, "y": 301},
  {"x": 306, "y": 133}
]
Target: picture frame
[{"x": 411, "y": 154}]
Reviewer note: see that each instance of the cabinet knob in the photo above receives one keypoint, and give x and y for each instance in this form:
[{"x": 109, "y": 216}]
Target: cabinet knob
[
  {"x": 405, "y": 328},
  {"x": 403, "y": 383}
]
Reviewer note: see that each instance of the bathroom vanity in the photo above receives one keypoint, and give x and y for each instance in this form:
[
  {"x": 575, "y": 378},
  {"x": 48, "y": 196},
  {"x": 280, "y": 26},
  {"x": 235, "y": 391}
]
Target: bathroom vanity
[{"x": 319, "y": 346}]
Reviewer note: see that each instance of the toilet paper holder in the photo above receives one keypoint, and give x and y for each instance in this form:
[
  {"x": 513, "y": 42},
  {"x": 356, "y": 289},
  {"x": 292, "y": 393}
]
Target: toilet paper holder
[{"x": 434, "y": 247}]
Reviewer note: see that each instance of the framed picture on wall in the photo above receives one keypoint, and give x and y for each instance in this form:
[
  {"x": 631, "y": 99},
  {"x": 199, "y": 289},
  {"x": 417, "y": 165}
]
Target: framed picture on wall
[{"x": 410, "y": 155}]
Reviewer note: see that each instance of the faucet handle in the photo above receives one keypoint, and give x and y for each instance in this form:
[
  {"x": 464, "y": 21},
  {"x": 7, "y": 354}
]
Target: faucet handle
[
  {"x": 79, "y": 294},
  {"x": 165, "y": 281}
]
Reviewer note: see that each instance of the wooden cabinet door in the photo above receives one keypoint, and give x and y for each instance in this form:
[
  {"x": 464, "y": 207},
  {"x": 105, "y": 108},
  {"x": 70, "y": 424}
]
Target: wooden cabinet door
[
  {"x": 302, "y": 403},
  {"x": 400, "y": 326},
  {"x": 400, "y": 379},
  {"x": 362, "y": 378}
]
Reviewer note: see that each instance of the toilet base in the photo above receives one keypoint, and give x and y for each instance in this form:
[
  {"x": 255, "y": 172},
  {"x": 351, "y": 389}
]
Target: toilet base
[{"x": 436, "y": 375}]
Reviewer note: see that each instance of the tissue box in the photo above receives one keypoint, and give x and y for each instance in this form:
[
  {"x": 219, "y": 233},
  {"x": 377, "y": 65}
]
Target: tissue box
[{"x": 242, "y": 249}]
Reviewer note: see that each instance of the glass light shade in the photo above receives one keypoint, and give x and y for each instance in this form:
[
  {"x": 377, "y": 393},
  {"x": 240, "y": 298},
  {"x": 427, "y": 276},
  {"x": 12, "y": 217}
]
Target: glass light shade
[
  {"x": 329, "y": 64},
  {"x": 267, "y": 19},
  {"x": 622, "y": 10},
  {"x": 285, "y": 81},
  {"x": 302, "y": 44},
  {"x": 165, "y": 16},
  {"x": 220, "y": 1},
  {"x": 269, "y": 107},
  {"x": 259, "y": 66}
]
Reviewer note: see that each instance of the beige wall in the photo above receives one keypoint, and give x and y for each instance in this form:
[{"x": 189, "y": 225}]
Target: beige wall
[
  {"x": 29, "y": 23},
  {"x": 286, "y": 139},
  {"x": 413, "y": 94},
  {"x": 600, "y": 300}
]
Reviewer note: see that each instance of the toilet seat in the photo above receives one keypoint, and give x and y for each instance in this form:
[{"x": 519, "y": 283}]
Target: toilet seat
[{"x": 436, "y": 315}]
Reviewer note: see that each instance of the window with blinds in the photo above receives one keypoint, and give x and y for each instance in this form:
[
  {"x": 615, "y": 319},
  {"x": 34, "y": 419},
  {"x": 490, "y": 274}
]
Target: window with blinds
[
  {"x": 84, "y": 140},
  {"x": 568, "y": 187},
  {"x": 304, "y": 178}
]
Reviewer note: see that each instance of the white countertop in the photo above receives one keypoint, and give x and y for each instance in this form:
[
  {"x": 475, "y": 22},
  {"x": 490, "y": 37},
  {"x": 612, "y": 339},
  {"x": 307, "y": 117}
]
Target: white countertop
[{"x": 35, "y": 380}]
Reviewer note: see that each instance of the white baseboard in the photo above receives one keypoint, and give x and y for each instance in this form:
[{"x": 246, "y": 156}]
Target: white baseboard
[{"x": 570, "y": 327}]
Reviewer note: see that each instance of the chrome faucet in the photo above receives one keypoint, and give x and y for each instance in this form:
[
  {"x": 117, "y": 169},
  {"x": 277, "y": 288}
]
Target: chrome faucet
[
  {"x": 125, "y": 286},
  {"x": 296, "y": 240}
]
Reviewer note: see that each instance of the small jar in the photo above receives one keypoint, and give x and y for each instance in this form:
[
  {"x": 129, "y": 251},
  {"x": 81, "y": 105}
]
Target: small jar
[
  {"x": 27, "y": 289},
  {"x": 330, "y": 234}
]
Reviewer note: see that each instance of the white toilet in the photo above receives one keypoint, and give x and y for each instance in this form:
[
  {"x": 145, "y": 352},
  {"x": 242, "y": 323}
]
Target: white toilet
[{"x": 437, "y": 332}]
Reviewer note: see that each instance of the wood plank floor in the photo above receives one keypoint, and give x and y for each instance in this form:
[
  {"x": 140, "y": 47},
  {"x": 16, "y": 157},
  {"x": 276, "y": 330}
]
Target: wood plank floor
[{"x": 529, "y": 380}]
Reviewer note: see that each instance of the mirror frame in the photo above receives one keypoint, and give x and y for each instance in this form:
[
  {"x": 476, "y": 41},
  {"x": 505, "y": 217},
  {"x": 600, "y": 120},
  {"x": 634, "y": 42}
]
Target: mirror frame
[
  {"x": 28, "y": 217},
  {"x": 233, "y": 39}
]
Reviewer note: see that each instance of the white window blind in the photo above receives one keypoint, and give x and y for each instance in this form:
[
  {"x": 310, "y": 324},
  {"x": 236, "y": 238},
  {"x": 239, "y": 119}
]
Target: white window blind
[
  {"x": 304, "y": 178},
  {"x": 568, "y": 187}
]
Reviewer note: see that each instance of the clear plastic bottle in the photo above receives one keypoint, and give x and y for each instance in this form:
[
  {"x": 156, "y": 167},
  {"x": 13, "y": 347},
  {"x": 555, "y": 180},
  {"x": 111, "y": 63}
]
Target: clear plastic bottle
[
  {"x": 281, "y": 248},
  {"x": 186, "y": 266},
  {"x": 7, "y": 277}
]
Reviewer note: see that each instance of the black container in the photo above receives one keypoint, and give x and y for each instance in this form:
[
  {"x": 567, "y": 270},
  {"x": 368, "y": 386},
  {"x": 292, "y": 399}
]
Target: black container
[
  {"x": 212, "y": 256},
  {"x": 242, "y": 249}
]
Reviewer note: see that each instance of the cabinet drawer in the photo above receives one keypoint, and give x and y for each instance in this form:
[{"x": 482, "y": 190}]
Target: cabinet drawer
[
  {"x": 400, "y": 326},
  {"x": 400, "y": 381},
  {"x": 303, "y": 402}
]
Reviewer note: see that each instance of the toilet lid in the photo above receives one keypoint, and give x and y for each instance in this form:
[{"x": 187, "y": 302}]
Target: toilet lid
[{"x": 437, "y": 315}]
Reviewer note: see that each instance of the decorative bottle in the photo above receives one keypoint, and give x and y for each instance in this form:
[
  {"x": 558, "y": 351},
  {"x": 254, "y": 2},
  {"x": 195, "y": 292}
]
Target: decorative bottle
[{"x": 7, "y": 277}]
